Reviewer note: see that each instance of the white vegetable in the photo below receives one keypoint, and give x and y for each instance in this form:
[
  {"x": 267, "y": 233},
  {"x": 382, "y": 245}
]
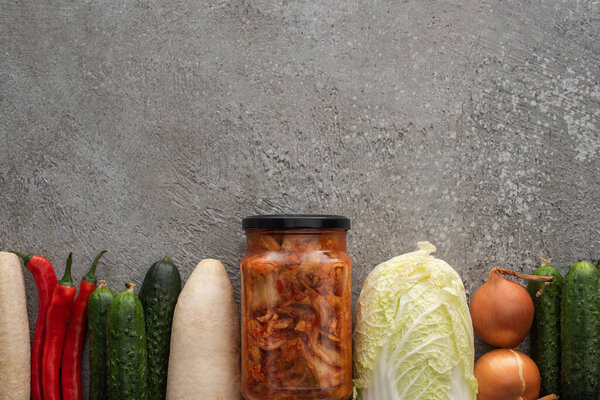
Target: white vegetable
[
  {"x": 413, "y": 336},
  {"x": 14, "y": 331},
  {"x": 204, "y": 362}
]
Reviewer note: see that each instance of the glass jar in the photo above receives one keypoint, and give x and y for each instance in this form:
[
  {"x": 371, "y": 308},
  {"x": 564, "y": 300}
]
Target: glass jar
[{"x": 296, "y": 308}]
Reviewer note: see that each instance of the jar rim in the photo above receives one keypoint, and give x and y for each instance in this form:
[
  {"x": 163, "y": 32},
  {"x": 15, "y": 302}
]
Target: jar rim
[{"x": 296, "y": 221}]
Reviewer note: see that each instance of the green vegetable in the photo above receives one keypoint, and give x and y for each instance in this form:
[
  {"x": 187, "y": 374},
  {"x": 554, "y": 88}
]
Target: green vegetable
[
  {"x": 159, "y": 294},
  {"x": 413, "y": 336},
  {"x": 126, "y": 343},
  {"x": 580, "y": 332},
  {"x": 545, "y": 331},
  {"x": 98, "y": 304}
]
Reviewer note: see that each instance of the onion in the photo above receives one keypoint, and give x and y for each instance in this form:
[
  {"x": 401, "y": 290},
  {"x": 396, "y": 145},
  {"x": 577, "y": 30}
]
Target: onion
[
  {"x": 507, "y": 375},
  {"x": 502, "y": 310}
]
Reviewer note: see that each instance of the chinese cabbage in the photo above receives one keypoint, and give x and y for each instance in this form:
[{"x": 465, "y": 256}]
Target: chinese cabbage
[{"x": 413, "y": 336}]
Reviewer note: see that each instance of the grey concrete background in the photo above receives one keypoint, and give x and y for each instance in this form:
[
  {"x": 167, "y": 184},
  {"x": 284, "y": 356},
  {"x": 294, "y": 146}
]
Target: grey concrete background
[{"x": 153, "y": 127}]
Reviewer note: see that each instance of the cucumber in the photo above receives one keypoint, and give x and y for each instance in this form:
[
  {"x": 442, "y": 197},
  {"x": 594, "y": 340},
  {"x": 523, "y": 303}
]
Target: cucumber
[
  {"x": 580, "y": 332},
  {"x": 126, "y": 347},
  {"x": 159, "y": 294},
  {"x": 545, "y": 331},
  {"x": 98, "y": 305}
]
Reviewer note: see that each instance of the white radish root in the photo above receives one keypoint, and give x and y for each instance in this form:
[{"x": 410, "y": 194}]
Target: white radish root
[
  {"x": 15, "y": 350},
  {"x": 204, "y": 361}
]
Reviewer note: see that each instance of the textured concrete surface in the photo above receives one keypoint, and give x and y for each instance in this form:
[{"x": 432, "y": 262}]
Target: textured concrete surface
[{"x": 153, "y": 127}]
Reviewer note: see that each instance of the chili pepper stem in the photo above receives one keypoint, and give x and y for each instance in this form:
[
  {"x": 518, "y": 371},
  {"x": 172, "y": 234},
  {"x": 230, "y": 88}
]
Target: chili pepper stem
[
  {"x": 24, "y": 257},
  {"x": 91, "y": 275},
  {"x": 130, "y": 286},
  {"x": 67, "y": 280}
]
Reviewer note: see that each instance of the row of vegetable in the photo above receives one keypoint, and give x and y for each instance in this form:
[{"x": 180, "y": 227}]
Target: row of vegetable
[
  {"x": 413, "y": 332},
  {"x": 59, "y": 333},
  {"x": 564, "y": 318},
  {"x": 130, "y": 338}
]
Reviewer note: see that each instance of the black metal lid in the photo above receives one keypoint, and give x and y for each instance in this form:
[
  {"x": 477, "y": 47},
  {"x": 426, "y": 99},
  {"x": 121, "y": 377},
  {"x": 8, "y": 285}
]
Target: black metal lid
[{"x": 296, "y": 221}]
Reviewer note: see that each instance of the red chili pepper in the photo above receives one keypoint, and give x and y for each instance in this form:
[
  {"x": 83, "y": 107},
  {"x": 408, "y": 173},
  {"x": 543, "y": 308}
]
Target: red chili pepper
[
  {"x": 73, "y": 348},
  {"x": 45, "y": 280},
  {"x": 56, "y": 325}
]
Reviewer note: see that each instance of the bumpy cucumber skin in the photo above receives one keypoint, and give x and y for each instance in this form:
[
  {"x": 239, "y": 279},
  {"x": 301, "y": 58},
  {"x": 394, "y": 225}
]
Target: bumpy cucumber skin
[
  {"x": 126, "y": 343},
  {"x": 159, "y": 294},
  {"x": 580, "y": 333},
  {"x": 545, "y": 331},
  {"x": 98, "y": 304}
]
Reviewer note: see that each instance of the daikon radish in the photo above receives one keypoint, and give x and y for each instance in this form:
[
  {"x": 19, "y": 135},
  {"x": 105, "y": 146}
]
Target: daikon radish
[
  {"x": 14, "y": 331},
  {"x": 204, "y": 362}
]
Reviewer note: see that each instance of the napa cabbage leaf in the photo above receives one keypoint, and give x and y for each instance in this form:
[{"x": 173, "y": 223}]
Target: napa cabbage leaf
[{"x": 413, "y": 336}]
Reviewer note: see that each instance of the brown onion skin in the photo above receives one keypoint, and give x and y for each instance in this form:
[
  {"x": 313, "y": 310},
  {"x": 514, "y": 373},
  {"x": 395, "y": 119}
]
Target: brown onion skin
[
  {"x": 502, "y": 311},
  {"x": 497, "y": 374}
]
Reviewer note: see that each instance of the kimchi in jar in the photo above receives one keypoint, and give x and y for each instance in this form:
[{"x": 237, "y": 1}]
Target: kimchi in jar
[{"x": 296, "y": 308}]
